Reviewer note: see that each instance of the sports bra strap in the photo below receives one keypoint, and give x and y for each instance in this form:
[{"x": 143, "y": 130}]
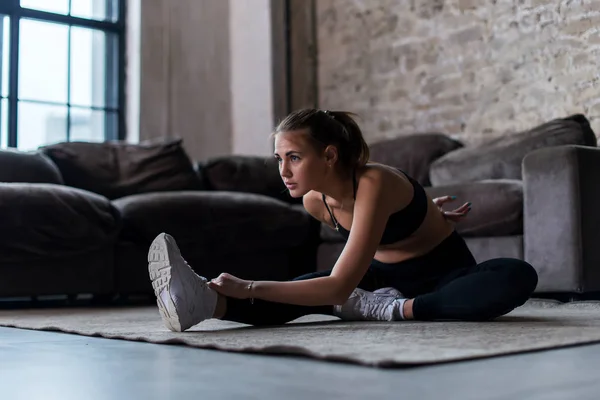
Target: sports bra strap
[{"x": 330, "y": 213}]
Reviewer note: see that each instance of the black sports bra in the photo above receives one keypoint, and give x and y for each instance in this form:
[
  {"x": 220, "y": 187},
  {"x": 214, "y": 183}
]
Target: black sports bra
[{"x": 402, "y": 223}]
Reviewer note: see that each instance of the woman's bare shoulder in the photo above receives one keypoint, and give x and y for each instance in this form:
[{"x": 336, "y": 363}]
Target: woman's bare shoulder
[
  {"x": 388, "y": 181},
  {"x": 382, "y": 174},
  {"x": 313, "y": 203}
]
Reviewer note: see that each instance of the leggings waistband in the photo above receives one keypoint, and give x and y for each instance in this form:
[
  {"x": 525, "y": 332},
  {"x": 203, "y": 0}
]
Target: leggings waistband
[{"x": 452, "y": 253}]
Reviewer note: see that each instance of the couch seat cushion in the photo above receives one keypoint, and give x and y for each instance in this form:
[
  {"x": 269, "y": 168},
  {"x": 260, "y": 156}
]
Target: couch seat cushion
[
  {"x": 48, "y": 221},
  {"x": 214, "y": 221},
  {"x": 497, "y": 206},
  {"x": 501, "y": 158}
]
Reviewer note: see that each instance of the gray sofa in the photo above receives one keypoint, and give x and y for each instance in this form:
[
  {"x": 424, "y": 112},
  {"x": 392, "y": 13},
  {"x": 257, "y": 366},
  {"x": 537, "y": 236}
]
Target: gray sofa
[
  {"x": 79, "y": 217},
  {"x": 534, "y": 196}
]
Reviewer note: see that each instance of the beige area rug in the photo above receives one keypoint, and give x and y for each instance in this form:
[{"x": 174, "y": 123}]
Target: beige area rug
[{"x": 537, "y": 325}]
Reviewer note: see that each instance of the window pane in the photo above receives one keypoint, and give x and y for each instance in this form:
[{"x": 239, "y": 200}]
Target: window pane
[
  {"x": 104, "y": 10},
  {"x": 4, "y": 54},
  {"x": 87, "y": 125},
  {"x": 41, "y": 124},
  {"x": 43, "y": 61},
  {"x": 3, "y": 123},
  {"x": 93, "y": 56},
  {"x": 112, "y": 125},
  {"x": 55, "y": 6}
]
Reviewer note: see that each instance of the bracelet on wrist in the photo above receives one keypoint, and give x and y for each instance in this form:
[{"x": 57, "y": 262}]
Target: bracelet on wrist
[{"x": 250, "y": 291}]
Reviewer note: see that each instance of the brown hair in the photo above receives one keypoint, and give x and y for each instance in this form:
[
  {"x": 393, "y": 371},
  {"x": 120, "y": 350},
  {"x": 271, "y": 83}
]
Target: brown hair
[{"x": 337, "y": 128}]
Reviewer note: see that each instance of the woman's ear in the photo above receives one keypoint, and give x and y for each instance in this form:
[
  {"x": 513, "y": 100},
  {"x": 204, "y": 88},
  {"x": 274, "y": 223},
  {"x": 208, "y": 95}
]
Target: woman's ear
[{"x": 331, "y": 155}]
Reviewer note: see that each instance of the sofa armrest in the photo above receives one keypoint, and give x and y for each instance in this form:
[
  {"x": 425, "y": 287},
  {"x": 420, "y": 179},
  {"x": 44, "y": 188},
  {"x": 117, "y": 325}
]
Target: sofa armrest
[{"x": 562, "y": 217}]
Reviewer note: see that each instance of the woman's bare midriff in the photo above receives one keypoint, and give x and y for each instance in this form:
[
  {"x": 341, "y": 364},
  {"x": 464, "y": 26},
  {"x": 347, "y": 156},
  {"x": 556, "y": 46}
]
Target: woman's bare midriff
[{"x": 434, "y": 229}]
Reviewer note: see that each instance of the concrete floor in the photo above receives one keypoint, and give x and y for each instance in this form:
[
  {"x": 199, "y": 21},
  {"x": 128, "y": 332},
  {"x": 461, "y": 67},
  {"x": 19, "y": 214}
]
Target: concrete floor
[{"x": 48, "y": 365}]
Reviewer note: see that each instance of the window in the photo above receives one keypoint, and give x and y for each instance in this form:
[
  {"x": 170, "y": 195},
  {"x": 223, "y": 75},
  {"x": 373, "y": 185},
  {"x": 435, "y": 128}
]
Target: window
[{"x": 61, "y": 71}]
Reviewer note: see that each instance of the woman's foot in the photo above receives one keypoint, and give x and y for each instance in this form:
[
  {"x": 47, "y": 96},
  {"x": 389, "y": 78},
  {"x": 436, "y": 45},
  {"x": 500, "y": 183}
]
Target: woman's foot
[
  {"x": 183, "y": 297},
  {"x": 385, "y": 304}
]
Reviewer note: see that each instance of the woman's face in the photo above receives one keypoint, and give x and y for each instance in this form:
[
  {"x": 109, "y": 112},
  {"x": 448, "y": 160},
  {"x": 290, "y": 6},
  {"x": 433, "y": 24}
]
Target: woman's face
[{"x": 301, "y": 166}]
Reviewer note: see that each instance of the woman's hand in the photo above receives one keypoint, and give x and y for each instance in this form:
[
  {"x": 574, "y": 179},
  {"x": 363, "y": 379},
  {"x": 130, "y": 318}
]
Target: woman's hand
[
  {"x": 230, "y": 286},
  {"x": 455, "y": 215}
]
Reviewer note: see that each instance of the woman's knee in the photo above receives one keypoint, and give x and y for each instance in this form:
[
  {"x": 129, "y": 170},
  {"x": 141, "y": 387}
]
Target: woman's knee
[
  {"x": 518, "y": 274},
  {"x": 524, "y": 275},
  {"x": 530, "y": 275}
]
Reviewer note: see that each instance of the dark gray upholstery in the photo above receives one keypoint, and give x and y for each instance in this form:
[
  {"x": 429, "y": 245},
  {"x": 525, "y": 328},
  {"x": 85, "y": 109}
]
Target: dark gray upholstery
[
  {"x": 501, "y": 158},
  {"x": 118, "y": 169},
  {"x": 413, "y": 153},
  {"x": 486, "y": 248},
  {"x": 562, "y": 217},
  {"x": 45, "y": 221},
  {"x": 92, "y": 233},
  {"x": 32, "y": 167},
  {"x": 213, "y": 220},
  {"x": 232, "y": 214},
  {"x": 55, "y": 240},
  {"x": 249, "y": 235},
  {"x": 497, "y": 206},
  {"x": 248, "y": 174}
]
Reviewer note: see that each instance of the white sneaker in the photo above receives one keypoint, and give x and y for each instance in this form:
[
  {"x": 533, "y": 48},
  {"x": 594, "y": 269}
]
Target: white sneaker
[
  {"x": 389, "y": 291},
  {"x": 183, "y": 297},
  {"x": 381, "y": 305}
]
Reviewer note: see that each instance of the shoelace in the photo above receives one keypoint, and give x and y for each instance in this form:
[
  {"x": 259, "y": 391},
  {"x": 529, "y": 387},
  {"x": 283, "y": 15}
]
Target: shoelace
[{"x": 374, "y": 307}]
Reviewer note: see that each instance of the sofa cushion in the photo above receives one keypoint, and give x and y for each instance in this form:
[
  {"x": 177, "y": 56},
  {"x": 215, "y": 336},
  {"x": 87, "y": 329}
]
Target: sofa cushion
[
  {"x": 117, "y": 169},
  {"x": 486, "y": 248},
  {"x": 497, "y": 206},
  {"x": 413, "y": 153},
  {"x": 47, "y": 221},
  {"x": 31, "y": 167},
  {"x": 502, "y": 157},
  {"x": 250, "y": 174},
  {"x": 214, "y": 221}
]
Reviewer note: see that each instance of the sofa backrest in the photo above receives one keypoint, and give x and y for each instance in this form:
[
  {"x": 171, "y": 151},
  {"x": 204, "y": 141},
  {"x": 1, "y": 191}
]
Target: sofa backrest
[
  {"x": 254, "y": 174},
  {"x": 501, "y": 158},
  {"x": 251, "y": 174},
  {"x": 117, "y": 169},
  {"x": 28, "y": 167},
  {"x": 413, "y": 153}
]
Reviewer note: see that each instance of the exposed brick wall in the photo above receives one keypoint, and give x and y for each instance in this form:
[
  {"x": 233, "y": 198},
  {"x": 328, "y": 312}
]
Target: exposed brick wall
[{"x": 472, "y": 68}]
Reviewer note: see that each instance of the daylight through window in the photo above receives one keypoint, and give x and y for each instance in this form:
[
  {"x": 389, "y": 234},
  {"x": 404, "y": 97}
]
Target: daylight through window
[{"x": 61, "y": 71}]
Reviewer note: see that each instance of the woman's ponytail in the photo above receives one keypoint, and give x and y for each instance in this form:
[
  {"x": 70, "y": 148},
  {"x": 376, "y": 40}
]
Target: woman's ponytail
[{"x": 337, "y": 128}]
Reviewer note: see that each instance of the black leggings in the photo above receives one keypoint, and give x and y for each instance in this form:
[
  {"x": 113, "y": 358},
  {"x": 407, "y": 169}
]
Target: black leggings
[{"x": 446, "y": 284}]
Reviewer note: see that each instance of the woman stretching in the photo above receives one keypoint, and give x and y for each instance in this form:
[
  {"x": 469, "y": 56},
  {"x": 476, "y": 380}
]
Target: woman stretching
[{"x": 402, "y": 260}]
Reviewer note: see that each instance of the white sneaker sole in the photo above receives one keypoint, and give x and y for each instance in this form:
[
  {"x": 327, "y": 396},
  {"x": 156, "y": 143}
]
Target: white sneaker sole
[{"x": 159, "y": 268}]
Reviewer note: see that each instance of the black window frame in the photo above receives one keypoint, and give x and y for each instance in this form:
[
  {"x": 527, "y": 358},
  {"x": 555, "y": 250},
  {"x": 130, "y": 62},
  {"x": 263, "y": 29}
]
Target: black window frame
[{"x": 114, "y": 76}]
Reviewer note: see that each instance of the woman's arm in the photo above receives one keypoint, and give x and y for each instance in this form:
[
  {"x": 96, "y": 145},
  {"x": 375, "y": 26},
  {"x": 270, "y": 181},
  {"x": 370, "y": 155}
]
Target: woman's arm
[
  {"x": 371, "y": 212},
  {"x": 310, "y": 292}
]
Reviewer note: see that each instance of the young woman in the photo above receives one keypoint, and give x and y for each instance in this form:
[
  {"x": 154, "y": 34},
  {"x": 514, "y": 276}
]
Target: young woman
[{"x": 402, "y": 260}]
